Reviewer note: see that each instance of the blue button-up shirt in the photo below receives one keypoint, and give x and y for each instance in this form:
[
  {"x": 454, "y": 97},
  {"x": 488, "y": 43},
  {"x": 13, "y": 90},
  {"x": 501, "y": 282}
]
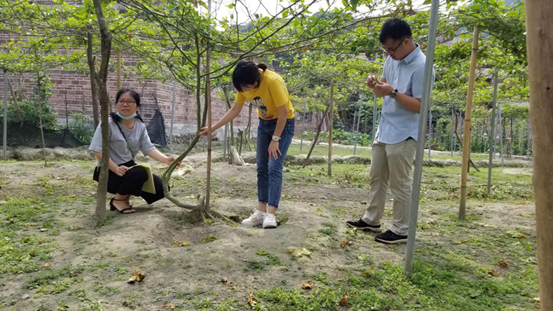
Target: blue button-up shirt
[{"x": 397, "y": 123}]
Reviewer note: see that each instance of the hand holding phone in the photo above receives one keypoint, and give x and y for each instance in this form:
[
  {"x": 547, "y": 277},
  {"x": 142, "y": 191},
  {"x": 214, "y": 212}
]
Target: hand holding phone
[{"x": 372, "y": 81}]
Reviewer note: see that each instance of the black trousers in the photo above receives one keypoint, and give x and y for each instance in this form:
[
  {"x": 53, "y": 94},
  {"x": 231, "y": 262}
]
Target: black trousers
[{"x": 132, "y": 182}]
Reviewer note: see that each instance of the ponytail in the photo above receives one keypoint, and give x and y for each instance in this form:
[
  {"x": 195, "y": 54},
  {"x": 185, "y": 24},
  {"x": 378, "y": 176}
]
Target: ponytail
[
  {"x": 247, "y": 73},
  {"x": 262, "y": 66}
]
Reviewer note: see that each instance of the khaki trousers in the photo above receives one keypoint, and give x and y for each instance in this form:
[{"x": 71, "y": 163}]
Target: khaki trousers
[{"x": 391, "y": 166}]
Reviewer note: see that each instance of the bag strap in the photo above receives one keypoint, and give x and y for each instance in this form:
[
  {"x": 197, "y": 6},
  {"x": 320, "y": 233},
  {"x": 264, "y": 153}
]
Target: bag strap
[{"x": 126, "y": 141}]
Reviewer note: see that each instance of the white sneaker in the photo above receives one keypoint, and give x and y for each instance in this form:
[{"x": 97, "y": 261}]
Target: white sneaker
[
  {"x": 269, "y": 222},
  {"x": 256, "y": 219}
]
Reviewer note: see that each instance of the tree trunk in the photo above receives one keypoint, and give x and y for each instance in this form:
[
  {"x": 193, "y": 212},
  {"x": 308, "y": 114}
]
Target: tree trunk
[
  {"x": 40, "y": 98},
  {"x": 15, "y": 99},
  {"x": 248, "y": 131},
  {"x": 231, "y": 142},
  {"x": 101, "y": 80},
  {"x": 330, "y": 125},
  {"x": 539, "y": 14},
  {"x": 208, "y": 110},
  {"x": 316, "y": 136},
  {"x": 467, "y": 129},
  {"x": 93, "y": 85}
]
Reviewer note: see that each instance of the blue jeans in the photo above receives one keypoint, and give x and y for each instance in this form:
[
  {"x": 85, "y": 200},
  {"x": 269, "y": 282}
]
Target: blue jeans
[{"x": 269, "y": 170}]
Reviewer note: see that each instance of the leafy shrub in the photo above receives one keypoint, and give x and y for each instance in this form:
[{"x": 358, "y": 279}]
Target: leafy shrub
[
  {"x": 29, "y": 113},
  {"x": 81, "y": 127}
]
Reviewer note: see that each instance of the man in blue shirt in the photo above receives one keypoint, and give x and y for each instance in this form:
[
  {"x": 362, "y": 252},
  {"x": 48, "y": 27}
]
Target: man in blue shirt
[{"x": 395, "y": 143}]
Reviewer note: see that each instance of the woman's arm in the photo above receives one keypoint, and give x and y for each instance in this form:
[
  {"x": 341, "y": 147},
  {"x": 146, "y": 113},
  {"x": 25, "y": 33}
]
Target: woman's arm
[
  {"x": 274, "y": 151},
  {"x": 281, "y": 120},
  {"x": 229, "y": 116},
  {"x": 160, "y": 157},
  {"x": 119, "y": 170}
]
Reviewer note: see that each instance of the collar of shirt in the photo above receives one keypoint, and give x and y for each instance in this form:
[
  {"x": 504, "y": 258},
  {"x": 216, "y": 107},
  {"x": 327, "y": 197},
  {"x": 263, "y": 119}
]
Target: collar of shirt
[{"x": 409, "y": 58}]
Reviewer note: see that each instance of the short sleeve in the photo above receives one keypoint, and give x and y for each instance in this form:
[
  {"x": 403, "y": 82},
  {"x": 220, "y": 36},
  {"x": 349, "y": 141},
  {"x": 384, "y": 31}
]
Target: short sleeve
[
  {"x": 279, "y": 92},
  {"x": 386, "y": 64},
  {"x": 240, "y": 98},
  {"x": 96, "y": 143},
  {"x": 145, "y": 144},
  {"x": 417, "y": 82}
]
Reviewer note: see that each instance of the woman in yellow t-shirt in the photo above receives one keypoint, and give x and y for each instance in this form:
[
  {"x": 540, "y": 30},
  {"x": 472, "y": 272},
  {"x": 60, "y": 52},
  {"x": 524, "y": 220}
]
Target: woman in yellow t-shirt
[{"x": 267, "y": 91}]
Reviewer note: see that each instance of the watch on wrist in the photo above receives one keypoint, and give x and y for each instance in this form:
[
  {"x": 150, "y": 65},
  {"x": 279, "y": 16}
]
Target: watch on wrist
[
  {"x": 276, "y": 138},
  {"x": 394, "y": 93}
]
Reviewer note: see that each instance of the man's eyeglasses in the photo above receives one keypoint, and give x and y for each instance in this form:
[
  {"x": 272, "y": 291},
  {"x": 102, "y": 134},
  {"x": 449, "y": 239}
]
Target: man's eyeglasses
[
  {"x": 392, "y": 51},
  {"x": 128, "y": 103}
]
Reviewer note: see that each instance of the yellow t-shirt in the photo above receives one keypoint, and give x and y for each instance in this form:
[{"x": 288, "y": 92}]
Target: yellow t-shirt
[{"x": 270, "y": 94}]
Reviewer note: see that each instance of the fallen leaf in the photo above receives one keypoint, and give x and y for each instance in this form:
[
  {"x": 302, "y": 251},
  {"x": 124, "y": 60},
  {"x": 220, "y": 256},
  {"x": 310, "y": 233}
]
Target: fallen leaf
[
  {"x": 503, "y": 263},
  {"x": 251, "y": 300},
  {"x": 46, "y": 264},
  {"x": 181, "y": 243},
  {"x": 169, "y": 306},
  {"x": 344, "y": 301},
  {"x": 493, "y": 272},
  {"x": 299, "y": 252},
  {"x": 345, "y": 243},
  {"x": 137, "y": 277},
  {"x": 463, "y": 241},
  {"x": 307, "y": 285}
]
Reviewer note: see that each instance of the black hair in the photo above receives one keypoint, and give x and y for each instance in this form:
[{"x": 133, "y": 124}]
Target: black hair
[
  {"x": 136, "y": 98},
  {"x": 395, "y": 29},
  {"x": 247, "y": 73}
]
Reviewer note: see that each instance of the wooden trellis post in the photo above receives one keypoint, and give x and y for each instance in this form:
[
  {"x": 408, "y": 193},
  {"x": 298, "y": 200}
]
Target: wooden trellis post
[
  {"x": 467, "y": 128},
  {"x": 539, "y": 14}
]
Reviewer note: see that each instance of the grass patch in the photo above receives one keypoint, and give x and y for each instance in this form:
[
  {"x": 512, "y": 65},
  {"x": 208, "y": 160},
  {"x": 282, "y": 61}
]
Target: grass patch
[
  {"x": 386, "y": 287},
  {"x": 328, "y": 230},
  {"x": 209, "y": 239},
  {"x": 55, "y": 281}
]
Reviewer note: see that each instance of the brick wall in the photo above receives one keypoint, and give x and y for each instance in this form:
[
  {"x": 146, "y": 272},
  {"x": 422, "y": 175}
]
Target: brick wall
[{"x": 75, "y": 89}]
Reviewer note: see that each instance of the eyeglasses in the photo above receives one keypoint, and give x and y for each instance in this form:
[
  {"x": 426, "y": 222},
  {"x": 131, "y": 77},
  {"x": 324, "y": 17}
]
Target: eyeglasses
[
  {"x": 392, "y": 51},
  {"x": 128, "y": 103}
]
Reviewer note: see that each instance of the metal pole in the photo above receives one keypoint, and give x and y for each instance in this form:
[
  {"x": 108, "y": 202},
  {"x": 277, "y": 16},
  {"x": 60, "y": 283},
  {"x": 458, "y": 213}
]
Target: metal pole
[
  {"x": 172, "y": 118},
  {"x": 492, "y": 135},
  {"x": 452, "y": 132},
  {"x": 429, "y": 132},
  {"x": 374, "y": 119},
  {"x": 529, "y": 144},
  {"x": 500, "y": 134},
  {"x": 303, "y": 125},
  {"x": 330, "y": 127},
  {"x": 5, "y": 136},
  {"x": 353, "y": 130},
  {"x": 415, "y": 195},
  {"x": 522, "y": 129},
  {"x": 225, "y": 135},
  {"x": 301, "y": 141},
  {"x": 484, "y": 135},
  {"x": 357, "y": 129}
]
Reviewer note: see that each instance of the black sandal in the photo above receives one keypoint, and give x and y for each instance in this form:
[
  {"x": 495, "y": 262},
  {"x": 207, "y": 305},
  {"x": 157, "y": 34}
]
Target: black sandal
[{"x": 113, "y": 208}]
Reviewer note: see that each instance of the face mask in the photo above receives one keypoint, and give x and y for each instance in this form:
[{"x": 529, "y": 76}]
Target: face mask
[{"x": 132, "y": 116}]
